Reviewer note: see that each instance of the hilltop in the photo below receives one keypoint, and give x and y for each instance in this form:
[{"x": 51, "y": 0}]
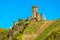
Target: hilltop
[
  {"x": 43, "y": 30},
  {"x": 36, "y": 20},
  {"x": 36, "y": 27}
]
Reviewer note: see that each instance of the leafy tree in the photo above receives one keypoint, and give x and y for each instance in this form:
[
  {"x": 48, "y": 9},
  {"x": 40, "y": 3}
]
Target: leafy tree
[{"x": 20, "y": 21}]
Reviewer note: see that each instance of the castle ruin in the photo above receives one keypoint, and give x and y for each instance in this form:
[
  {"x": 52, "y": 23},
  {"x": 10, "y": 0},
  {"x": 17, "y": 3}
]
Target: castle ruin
[
  {"x": 35, "y": 16},
  {"x": 17, "y": 28}
]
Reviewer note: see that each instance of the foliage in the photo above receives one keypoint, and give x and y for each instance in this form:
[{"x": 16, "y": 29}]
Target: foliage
[{"x": 20, "y": 21}]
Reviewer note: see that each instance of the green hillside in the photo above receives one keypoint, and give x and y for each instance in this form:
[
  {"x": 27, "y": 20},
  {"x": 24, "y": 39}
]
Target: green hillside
[
  {"x": 47, "y": 32},
  {"x": 3, "y": 34},
  {"x": 52, "y": 32},
  {"x": 31, "y": 28}
]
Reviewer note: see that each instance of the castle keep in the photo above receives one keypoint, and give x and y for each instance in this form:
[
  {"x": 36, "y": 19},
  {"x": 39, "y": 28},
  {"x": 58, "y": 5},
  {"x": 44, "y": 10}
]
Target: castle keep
[{"x": 35, "y": 16}]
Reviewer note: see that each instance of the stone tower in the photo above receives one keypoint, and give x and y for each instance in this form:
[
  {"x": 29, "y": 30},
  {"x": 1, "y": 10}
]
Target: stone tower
[
  {"x": 35, "y": 16},
  {"x": 34, "y": 11}
]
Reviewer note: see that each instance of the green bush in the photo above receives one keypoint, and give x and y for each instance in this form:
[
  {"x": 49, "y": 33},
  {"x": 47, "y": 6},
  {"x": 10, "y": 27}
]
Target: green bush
[{"x": 20, "y": 21}]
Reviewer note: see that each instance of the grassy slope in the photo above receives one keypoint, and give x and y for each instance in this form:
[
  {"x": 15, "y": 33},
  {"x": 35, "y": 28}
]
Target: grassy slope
[
  {"x": 33, "y": 27},
  {"x": 54, "y": 35},
  {"x": 3, "y": 34},
  {"x": 46, "y": 32}
]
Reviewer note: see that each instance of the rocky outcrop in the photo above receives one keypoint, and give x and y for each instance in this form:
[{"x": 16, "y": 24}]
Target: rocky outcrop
[{"x": 15, "y": 29}]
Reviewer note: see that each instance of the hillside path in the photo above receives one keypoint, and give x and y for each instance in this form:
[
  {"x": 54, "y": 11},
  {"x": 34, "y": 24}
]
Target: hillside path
[
  {"x": 40, "y": 30},
  {"x": 43, "y": 27}
]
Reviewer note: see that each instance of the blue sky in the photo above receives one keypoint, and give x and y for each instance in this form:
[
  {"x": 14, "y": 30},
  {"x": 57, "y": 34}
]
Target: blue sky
[{"x": 11, "y": 10}]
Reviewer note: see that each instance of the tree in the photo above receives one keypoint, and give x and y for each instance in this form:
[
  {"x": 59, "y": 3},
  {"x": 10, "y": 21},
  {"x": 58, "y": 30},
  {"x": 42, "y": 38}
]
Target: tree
[{"x": 20, "y": 20}]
